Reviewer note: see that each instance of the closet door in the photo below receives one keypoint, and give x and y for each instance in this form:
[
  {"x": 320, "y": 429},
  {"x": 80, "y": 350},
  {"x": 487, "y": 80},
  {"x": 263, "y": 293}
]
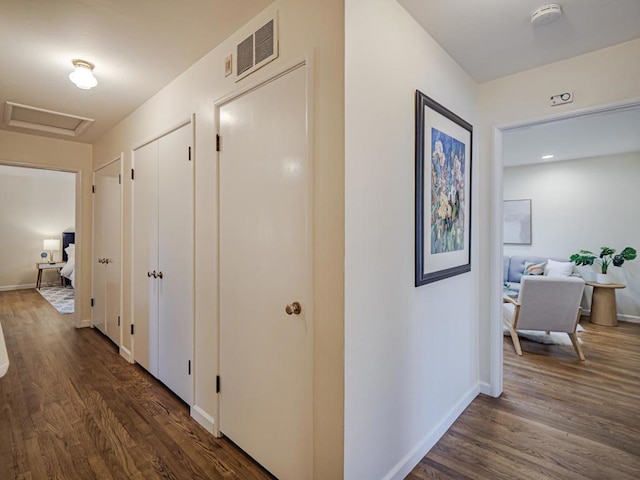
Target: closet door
[
  {"x": 175, "y": 254},
  {"x": 145, "y": 257},
  {"x": 111, "y": 244},
  {"x": 98, "y": 310}
]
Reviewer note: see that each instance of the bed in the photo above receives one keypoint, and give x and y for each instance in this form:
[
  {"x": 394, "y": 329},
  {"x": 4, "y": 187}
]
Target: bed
[{"x": 68, "y": 255}]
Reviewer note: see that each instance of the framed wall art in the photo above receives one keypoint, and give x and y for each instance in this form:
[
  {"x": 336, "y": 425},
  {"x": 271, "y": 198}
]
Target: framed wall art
[
  {"x": 516, "y": 222},
  {"x": 443, "y": 192}
]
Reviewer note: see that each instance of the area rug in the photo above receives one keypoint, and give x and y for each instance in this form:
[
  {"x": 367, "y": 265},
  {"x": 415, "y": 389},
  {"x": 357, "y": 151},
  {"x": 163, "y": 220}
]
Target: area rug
[
  {"x": 61, "y": 298},
  {"x": 553, "y": 338}
]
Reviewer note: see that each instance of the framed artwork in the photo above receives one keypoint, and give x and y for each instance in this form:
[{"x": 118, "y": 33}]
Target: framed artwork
[
  {"x": 516, "y": 220},
  {"x": 443, "y": 192}
]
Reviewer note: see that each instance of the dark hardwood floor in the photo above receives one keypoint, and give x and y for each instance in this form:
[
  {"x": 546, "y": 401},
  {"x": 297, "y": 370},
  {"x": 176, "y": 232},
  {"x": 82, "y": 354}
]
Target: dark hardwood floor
[
  {"x": 72, "y": 408},
  {"x": 558, "y": 418}
]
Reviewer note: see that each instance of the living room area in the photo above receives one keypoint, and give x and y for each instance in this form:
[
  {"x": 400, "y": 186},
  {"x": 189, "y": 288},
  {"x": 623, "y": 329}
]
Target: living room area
[{"x": 569, "y": 186}]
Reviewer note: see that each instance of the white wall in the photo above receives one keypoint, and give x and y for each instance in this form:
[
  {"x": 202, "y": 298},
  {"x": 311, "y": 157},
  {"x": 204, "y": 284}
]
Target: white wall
[
  {"x": 599, "y": 78},
  {"x": 583, "y": 204},
  {"x": 306, "y": 27},
  {"x": 34, "y": 205},
  {"x": 41, "y": 152},
  {"x": 411, "y": 354}
]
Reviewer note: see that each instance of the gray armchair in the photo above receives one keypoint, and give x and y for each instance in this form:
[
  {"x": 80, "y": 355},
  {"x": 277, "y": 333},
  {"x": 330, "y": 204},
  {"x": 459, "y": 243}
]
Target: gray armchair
[{"x": 550, "y": 304}]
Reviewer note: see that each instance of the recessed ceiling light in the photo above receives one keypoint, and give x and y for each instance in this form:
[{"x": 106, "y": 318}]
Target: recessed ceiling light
[
  {"x": 547, "y": 157},
  {"x": 82, "y": 76}
]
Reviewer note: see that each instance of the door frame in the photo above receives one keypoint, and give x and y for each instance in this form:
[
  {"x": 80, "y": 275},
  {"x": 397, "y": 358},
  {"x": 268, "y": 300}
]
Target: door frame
[
  {"x": 496, "y": 370},
  {"x": 79, "y": 242},
  {"x": 306, "y": 62},
  {"x": 119, "y": 158},
  {"x": 136, "y": 146}
]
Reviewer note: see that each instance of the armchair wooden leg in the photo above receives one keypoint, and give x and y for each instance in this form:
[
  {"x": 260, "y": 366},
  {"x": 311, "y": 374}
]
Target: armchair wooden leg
[
  {"x": 514, "y": 337},
  {"x": 576, "y": 345}
]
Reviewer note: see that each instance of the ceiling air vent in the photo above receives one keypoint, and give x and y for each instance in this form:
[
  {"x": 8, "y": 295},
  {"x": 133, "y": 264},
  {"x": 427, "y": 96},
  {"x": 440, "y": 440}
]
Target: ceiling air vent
[
  {"x": 257, "y": 49},
  {"x": 33, "y": 118}
]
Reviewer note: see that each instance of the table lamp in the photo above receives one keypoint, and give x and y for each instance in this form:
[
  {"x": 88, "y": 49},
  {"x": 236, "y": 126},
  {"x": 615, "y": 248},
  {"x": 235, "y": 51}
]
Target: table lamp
[{"x": 53, "y": 245}]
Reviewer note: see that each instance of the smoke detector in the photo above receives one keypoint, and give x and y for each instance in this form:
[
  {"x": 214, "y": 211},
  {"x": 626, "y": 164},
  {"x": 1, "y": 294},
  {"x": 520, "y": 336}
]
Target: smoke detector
[{"x": 546, "y": 14}]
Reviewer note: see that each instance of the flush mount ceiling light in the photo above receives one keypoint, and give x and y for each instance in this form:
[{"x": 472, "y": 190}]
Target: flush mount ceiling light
[
  {"x": 82, "y": 76},
  {"x": 546, "y": 14}
]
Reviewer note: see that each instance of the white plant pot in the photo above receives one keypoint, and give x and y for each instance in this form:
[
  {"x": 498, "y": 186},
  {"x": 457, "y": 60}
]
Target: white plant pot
[{"x": 604, "y": 278}]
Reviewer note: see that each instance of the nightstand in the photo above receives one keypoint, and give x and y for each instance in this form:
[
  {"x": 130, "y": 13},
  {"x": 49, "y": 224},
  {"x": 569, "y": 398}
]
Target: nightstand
[{"x": 48, "y": 266}]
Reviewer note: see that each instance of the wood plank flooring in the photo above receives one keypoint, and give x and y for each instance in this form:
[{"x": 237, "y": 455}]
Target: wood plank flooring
[
  {"x": 558, "y": 418},
  {"x": 72, "y": 408}
]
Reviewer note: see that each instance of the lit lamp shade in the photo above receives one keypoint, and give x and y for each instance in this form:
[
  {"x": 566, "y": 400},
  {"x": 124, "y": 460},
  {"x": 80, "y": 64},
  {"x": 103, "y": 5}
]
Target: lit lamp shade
[{"x": 51, "y": 244}]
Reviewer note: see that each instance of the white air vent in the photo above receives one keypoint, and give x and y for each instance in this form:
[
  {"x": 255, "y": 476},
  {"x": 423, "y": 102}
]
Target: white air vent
[
  {"x": 257, "y": 49},
  {"x": 33, "y": 118}
]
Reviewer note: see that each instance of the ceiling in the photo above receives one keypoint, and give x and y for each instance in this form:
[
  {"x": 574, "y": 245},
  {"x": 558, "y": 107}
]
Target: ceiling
[
  {"x": 494, "y": 38},
  {"x": 602, "y": 134},
  {"x": 137, "y": 46}
]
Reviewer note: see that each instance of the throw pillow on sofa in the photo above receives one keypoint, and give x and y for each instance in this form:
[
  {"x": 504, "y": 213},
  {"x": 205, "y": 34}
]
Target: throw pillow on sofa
[
  {"x": 558, "y": 269},
  {"x": 531, "y": 268}
]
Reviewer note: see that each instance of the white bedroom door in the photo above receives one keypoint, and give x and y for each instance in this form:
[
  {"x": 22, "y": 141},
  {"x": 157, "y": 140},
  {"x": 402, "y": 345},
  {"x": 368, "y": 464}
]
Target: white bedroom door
[
  {"x": 106, "y": 258},
  {"x": 266, "y": 342}
]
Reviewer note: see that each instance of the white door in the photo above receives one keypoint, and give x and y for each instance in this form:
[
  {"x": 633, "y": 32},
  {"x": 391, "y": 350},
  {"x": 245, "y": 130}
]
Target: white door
[
  {"x": 106, "y": 250},
  {"x": 112, "y": 238},
  {"x": 265, "y": 258},
  {"x": 145, "y": 257},
  {"x": 175, "y": 261}
]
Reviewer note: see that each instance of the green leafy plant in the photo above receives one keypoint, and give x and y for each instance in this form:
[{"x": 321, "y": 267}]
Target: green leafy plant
[{"x": 607, "y": 257}]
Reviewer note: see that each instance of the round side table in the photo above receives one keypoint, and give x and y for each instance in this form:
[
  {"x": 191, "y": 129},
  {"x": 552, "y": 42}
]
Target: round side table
[{"x": 603, "y": 304}]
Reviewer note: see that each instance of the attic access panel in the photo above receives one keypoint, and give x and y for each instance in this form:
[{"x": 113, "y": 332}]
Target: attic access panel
[{"x": 34, "y": 118}]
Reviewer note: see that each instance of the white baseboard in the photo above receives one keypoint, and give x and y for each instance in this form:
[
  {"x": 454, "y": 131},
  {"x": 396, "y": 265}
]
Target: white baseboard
[
  {"x": 404, "y": 466},
  {"x": 621, "y": 317},
  {"x": 203, "y": 418},
  {"x": 485, "y": 389},
  {"x": 126, "y": 354},
  {"x": 84, "y": 323},
  {"x": 8, "y": 288}
]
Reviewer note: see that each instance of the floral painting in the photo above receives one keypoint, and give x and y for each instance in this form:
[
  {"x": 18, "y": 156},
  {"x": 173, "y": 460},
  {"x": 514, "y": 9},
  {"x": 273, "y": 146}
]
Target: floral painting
[
  {"x": 443, "y": 192},
  {"x": 447, "y": 193}
]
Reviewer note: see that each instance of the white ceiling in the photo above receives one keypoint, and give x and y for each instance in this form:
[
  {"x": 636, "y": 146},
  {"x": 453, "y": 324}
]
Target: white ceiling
[
  {"x": 137, "y": 46},
  {"x": 602, "y": 134},
  {"x": 494, "y": 38}
]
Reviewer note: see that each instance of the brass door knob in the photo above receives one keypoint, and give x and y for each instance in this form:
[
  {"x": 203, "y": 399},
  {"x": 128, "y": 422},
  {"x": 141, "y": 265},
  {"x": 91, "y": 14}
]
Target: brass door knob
[{"x": 293, "y": 308}]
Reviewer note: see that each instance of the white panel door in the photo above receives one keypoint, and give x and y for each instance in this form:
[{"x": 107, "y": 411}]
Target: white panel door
[
  {"x": 98, "y": 281},
  {"x": 110, "y": 185},
  {"x": 145, "y": 257},
  {"x": 175, "y": 254},
  {"x": 265, "y": 353}
]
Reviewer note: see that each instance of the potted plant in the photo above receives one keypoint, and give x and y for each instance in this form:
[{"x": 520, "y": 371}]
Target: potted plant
[{"x": 607, "y": 257}]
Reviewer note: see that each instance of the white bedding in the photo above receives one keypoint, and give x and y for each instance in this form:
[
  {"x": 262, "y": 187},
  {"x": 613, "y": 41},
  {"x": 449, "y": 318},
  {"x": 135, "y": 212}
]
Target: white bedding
[{"x": 68, "y": 271}]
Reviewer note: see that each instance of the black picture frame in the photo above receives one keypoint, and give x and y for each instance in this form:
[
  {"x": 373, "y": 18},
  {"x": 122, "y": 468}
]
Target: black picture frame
[{"x": 442, "y": 192}]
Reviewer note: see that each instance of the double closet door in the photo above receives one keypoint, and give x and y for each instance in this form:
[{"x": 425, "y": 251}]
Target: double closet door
[
  {"x": 106, "y": 279},
  {"x": 163, "y": 263}
]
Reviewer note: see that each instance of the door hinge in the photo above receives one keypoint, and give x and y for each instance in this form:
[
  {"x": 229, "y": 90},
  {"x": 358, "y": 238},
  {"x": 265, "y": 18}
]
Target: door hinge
[
  {"x": 132, "y": 174},
  {"x": 217, "y": 383},
  {"x": 92, "y": 302},
  {"x": 93, "y": 189},
  {"x": 118, "y": 320},
  {"x": 189, "y": 153},
  {"x": 189, "y": 367},
  {"x": 119, "y": 179},
  {"x": 217, "y": 143},
  {"x": 132, "y": 329}
]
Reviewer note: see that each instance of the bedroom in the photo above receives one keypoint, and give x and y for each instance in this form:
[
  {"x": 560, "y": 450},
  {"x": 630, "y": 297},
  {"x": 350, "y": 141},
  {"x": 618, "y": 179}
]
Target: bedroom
[{"x": 38, "y": 205}]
